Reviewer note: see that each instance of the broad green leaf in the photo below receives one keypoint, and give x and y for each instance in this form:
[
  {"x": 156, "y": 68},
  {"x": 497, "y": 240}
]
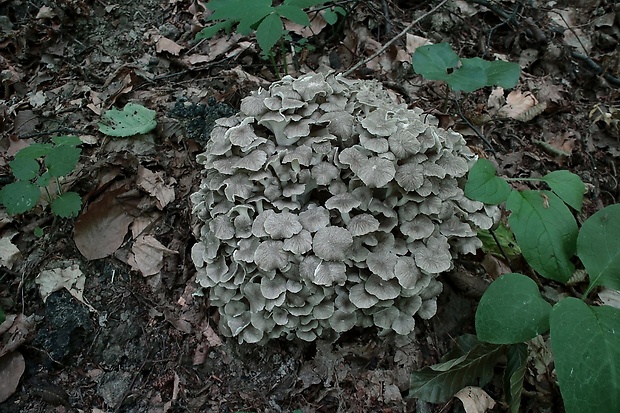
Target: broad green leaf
[
  {"x": 504, "y": 74},
  {"x": 433, "y": 61},
  {"x": 67, "y": 140},
  {"x": 567, "y": 186},
  {"x": 516, "y": 363},
  {"x": 61, "y": 160},
  {"x": 38, "y": 232},
  {"x": 269, "y": 32},
  {"x": 598, "y": 247},
  {"x": 243, "y": 11},
  {"x": 2, "y": 316},
  {"x": 209, "y": 32},
  {"x": 44, "y": 179},
  {"x": 294, "y": 14},
  {"x": 330, "y": 17},
  {"x": 34, "y": 151},
  {"x": 585, "y": 342},
  {"x": 134, "y": 119},
  {"x": 484, "y": 185},
  {"x": 504, "y": 237},
  {"x": 545, "y": 230},
  {"x": 511, "y": 311},
  {"x": 67, "y": 205},
  {"x": 472, "y": 75},
  {"x": 24, "y": 168},
  {"x": 304, "y": 4},
  {"x": 469, "y": 363},
  {"x": 19, "y": 197}
]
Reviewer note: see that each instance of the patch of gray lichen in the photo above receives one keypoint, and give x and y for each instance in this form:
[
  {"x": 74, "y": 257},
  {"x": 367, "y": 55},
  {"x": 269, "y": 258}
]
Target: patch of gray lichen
[
  {"x": 199, "y": 119},
  {"x": 325, "y": 205}
]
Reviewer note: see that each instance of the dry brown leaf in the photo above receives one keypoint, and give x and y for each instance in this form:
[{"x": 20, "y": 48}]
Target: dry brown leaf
[
  {"x": 12, "y": 366},
  {"x": 166, "y": 45},
  {"x": 9, "y": 253},
  {"x": 148, "y": 255},
  {"x": 494, "y": 267},
  {"x": 71, "y": 278},
  {"x": 475, "y": 400},
  {"x": 15, "y": 331},
  {"x": 517, "y": 103},
  {"x": 317, "y": 23},
  {"x": 100, "y": 230},
  {"x": 154, "y": 184}
]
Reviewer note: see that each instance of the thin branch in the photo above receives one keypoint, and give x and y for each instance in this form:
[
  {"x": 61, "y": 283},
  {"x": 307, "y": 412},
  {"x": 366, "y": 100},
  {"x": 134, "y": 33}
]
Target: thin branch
[{"x": 393, "y": 40}]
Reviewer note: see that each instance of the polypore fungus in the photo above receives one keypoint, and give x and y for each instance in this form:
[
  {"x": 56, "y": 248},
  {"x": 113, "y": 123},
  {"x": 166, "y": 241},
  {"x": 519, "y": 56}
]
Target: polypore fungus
[{"x": 325, "y": 205}]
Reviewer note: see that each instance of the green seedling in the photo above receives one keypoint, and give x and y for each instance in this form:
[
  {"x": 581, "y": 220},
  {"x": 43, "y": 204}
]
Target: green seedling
[
  {"x": 264, "y": 18},
  {"x": 585, "y": 339},
  {"x": 440, "y": 62},
  {"x": 35, "y": 168},
  {"x": 134, "y": 119}
]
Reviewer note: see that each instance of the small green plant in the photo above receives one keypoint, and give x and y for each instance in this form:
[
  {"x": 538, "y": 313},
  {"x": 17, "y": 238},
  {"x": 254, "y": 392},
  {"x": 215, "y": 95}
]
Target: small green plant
[
  {"x": 34, "y": 168},
  {"x": 264, "y": 18},
  {"x": 440, "y": 62},
  {"x": 585, "y": 339}
]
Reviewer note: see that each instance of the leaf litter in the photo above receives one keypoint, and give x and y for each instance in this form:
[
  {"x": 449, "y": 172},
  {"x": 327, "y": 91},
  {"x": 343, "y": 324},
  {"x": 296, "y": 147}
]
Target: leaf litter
[{"x": 136, "y": 212}]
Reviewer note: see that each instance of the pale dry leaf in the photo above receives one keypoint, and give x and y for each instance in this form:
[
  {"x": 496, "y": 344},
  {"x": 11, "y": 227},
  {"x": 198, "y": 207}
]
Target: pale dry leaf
[
  {"x": 413, "y": 42},
  {"x": 9, "y": 253},
  {"x": 610, "y": 297},
  {"x": 148, "y": 255},
  {"x": 166, "y": 45},
  {"x": 46, "y": 12},
  {"x": 496, "y": 100},
  {"x": 37, "y": 100},
  {"x": 12, "y": 366},
  {"x": 101, "y": 230},
  {"x": 517, "y": 103},
  {"x": 16, "y": 330},
  {"x": 154, "y": 184},
  {"x": 71, "y": 278},
  {"x": 475, "y": 400},
  {"x": 317, "y": 23}
]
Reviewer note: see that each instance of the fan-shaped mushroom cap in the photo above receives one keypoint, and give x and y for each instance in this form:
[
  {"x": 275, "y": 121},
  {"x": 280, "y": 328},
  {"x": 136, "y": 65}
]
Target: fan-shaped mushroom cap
[
  {"x": 362, "y": 224},
  {"x": 420, "y": 227},
  {"x": 282, "y": 225},
  {"x": 342, "y": 321},
  {"x": 361, "y": 298},
  {"x": 379, "y": 123},
  {"x": 332, "y": 243},
  {"x": 314, "y": 219},
  {"x": 270, "y": 255},
  {"x": 382, "y": 289},
  {"x": 376, "y": 172}
]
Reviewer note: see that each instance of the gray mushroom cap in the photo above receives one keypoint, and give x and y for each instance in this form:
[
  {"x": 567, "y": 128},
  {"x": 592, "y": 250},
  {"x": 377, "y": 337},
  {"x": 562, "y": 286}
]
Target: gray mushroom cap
[
  {"x": 382, "y": 289},
  {"x": 342, "y": 321},
  {"x": 332, "y": 243},
  {"x": 282, "y": 225},
  {"x": 270, "y": 255},
  {"x": 362, "y": 224}
]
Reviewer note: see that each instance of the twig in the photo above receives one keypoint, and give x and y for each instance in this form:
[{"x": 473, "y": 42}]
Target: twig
[
  {"x": 476, "y": 131},
  {"x": 596, "y": 68},
  {"x": 394, "y": 39}
]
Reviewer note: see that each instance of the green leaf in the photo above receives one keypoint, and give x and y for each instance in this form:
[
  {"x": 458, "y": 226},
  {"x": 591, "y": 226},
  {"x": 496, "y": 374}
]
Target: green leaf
[
  {"x": 512, "y": 311},
  {"x": 304, "y": 4},
  {"x": 545, "y": 230},
  {"x": 61, "y": 160},
  {"x": 586, "y": 348},
  {"x": 2, "y": 316},
  {"x": 38, "y": 232},
  {"x": 294, "y": 14},
  {"x": 433, "y": 61},
  {"x": 567, "y": 186},
  {"x": 19, "y": 197},
  {"x": 330, "y": 17},
  {"x": 514, "y": 374},
  {"x": 471, "y": 361},
  {"x": 484, "y": 185},
  {"x": 34, "y": 151},
  {"x": 210, "y": 31},
  {"x": 269, "y": 32},
  {"x": 67, "y": 205},
  {"x": 504, "y": 74},
  {"x": 598, "y": 247},
  {"x": 504, "y": 237},
  {"x": 24, "y": 168},
  {"x": 472, "y": 75},
  {"x": 44, "y": 179},
  {"x": 134, "y": 119},
  {"x": 67, "y": 140}
]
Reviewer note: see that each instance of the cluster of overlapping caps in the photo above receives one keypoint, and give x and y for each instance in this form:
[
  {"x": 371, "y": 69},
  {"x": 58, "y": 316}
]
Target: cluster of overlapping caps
[{"x": 324, "y": 205}]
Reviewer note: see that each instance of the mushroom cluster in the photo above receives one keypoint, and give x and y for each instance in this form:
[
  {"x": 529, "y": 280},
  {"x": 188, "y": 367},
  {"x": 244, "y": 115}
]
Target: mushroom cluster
[{"x": 324, "y": 206}]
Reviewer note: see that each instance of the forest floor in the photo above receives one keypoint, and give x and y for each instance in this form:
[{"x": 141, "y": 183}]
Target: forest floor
[{"x": 125, "y": 333}]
